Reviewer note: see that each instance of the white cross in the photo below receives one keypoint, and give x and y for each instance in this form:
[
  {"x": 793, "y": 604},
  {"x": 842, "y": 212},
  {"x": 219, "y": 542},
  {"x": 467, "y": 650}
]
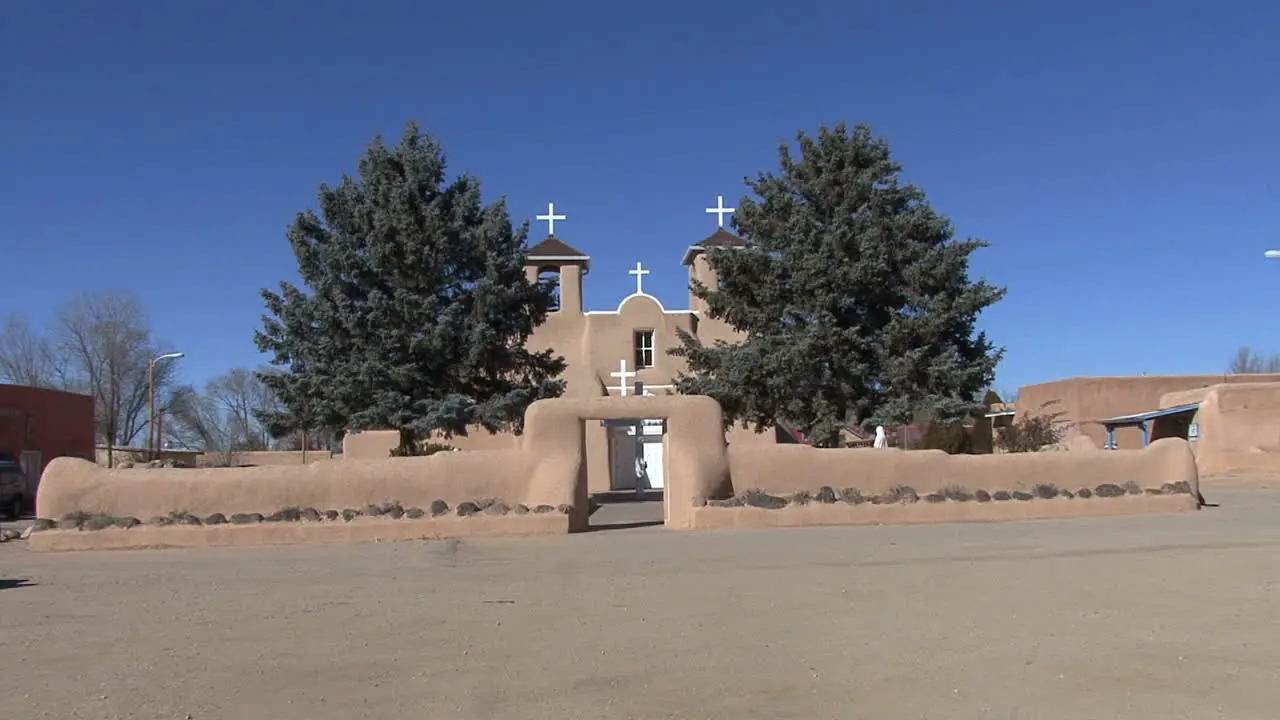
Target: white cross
[
  {"x": 639, "y": 272},
  {"x": 551, "y": 217},
  {"x": 720, "y": 210},
  {"x": 622, "y": 376}
]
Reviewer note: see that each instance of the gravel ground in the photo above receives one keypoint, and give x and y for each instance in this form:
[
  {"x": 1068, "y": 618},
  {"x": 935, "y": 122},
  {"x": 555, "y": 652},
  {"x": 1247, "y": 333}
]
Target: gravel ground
[{"x": 1150, "y": 617}]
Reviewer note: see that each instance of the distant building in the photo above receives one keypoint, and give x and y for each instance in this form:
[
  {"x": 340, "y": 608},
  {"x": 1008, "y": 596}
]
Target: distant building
[
  {"x": 1120, "y": 411},
  {"x": 39, "y": 424}
]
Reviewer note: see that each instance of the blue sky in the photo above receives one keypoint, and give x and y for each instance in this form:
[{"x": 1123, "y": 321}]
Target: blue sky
[{"x": 1122, "y": 158}]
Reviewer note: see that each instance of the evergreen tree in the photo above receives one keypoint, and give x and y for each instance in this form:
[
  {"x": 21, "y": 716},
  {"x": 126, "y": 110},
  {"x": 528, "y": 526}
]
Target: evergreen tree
[
  {"x": 416, "y": 308},
  {"x": 854, "y": 295}
]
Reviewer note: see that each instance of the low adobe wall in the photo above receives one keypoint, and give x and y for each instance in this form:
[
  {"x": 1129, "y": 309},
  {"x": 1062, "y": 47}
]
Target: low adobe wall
[
  {"x": 72, "y": 485},
  {"x": 542, "y": 486},
  {"x": 1239, "y": 427},
  {"x": 798, "y": 485},
  {"x": 545, "y": 476},
  {"x": 791, "y": 468},
  {"x": 378, "y": 444},
  {"x": 262, "y": 457}
]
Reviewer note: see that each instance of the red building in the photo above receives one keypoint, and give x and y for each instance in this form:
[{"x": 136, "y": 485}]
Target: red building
[{"x": 38, "y": 425}]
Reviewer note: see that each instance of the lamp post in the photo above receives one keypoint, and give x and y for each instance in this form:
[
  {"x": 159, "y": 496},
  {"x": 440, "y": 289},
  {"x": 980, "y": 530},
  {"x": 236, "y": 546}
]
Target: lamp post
[{"x": 153, "y": 437}]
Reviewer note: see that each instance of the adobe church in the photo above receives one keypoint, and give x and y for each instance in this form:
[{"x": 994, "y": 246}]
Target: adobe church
[{"x": 608, "y": 352}]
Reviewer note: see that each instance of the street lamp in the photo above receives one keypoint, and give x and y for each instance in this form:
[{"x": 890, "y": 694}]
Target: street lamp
[
  {"x": 153, "y": 435},
  {"x": 1273, "y": 254}
]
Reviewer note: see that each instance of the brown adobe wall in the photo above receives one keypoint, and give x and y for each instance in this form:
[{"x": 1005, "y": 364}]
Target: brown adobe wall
[
  {"x": 377, "y": 444},
  {"x": 549, "y": 470},
  {"x": 369, "y": 445},
  {"x": 1182, "y": 397},
  {"x": 140, "y": 455},
  {"x": 786, "y": 469},
  {"x": 1239, "y": 430},
  {"x": 264, "y": 457},
  {"x": 76, "y": 485}
]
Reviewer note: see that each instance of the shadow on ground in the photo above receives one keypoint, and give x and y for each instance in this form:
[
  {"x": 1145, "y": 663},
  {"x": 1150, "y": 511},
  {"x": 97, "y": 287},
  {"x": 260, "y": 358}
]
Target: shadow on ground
[
  {"x": 625, "y": 525},
  {"x": 626, "y": 510},
  {"x": 615, "y": 497}
]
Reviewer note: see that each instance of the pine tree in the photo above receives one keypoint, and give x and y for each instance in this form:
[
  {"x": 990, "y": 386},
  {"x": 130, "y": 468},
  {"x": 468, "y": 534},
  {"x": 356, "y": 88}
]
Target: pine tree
[
  {"x": 416, "y": 307},
  {"x": 854, "y": 295}
]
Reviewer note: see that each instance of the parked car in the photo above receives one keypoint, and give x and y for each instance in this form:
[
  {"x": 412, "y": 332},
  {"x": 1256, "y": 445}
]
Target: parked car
[{"x": 13, "y": 489}]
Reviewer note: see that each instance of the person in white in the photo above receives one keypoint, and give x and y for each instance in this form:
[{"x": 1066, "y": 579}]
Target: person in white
[
  {"x": 642, "y": 472},
  {"x": 882, "y": 440}
]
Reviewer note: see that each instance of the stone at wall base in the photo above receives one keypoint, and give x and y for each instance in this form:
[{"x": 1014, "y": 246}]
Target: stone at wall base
[
  {"x": 813, "y": 515},
  {"x": 292, "y": 533}
]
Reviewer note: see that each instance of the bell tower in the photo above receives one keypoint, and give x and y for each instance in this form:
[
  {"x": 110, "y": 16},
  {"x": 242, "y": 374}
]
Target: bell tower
[
  {"x": 554, "y": 261},
  {"x": 696, "y": 256}
]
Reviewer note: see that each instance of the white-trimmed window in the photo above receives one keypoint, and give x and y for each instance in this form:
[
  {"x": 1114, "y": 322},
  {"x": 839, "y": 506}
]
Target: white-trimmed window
[{"x": 644, "y": 348}]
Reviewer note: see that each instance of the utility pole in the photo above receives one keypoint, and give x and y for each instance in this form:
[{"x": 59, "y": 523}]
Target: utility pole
[{"x": 153, "y": 434}]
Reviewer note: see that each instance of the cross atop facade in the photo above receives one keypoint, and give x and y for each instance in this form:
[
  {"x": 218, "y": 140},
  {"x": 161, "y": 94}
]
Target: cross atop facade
[
  {"x": 720, "y": 210},
  {"x": 551, "y": 217},
  {"x": 622, "y": 376},
  {"x": 639, "y": 272}
]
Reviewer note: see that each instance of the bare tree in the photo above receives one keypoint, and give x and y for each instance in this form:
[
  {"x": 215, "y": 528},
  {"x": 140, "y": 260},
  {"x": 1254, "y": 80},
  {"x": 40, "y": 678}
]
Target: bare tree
[
  {"x": 28, "y": 358},
  {"x": 1246, "y": 361},
  {"x": 241, "y": 395},
  {"x": 226, "y": 418},
  {"x": 105, "y": 339},
  {"x": 196, "y": 421}
]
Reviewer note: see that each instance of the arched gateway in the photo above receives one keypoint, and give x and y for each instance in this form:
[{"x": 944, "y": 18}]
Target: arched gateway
[{"x": 696, "y": 460}]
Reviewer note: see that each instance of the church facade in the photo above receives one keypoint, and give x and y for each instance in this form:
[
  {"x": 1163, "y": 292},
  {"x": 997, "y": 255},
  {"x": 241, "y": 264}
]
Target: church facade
[{"x": 609, "y": 352}]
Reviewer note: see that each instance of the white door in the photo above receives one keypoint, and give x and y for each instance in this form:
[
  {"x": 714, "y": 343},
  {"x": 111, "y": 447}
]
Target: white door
[
  {"x": 622, "y": 455},
  {"x": 652, "y": 440},
  {"x": 32, "y": 467}
]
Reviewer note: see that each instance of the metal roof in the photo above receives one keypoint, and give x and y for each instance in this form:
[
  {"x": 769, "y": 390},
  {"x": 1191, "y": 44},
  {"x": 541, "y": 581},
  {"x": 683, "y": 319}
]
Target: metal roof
[{"x": 1139, "y": 418}]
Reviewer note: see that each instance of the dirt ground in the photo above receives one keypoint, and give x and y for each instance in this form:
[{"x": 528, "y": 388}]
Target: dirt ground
[{"x": 1151, "y": 617}]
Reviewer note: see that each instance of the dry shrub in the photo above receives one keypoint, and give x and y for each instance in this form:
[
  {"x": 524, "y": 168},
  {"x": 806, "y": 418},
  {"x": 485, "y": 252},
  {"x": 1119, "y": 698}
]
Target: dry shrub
[{"x": 1030, "y": 433}]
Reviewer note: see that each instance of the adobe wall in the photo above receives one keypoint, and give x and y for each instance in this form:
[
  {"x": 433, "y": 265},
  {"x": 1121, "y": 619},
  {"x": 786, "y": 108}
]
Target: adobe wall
[
  {"x": 1239, "y": 426},
  {"x": 1182, "y": 397},
  {"x": 547, "y": 471},
  {"x": 708, "y": 484},
  {"x": 377, "y": 444},
  {"x": 77, "y": 485},
  {"x": 264, "y": 457},
  {"x": 786, "y": 469},
  {"x": 1086, "y": 400},
  {"x": 139, "y": 455}
]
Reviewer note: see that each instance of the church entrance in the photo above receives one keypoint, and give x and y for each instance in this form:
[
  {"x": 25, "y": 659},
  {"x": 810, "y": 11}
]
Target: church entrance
[
  {"x": 637, "y": 476},
  {"x": 637, "y": 466},
  {"x": 636, "y": 460}
]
